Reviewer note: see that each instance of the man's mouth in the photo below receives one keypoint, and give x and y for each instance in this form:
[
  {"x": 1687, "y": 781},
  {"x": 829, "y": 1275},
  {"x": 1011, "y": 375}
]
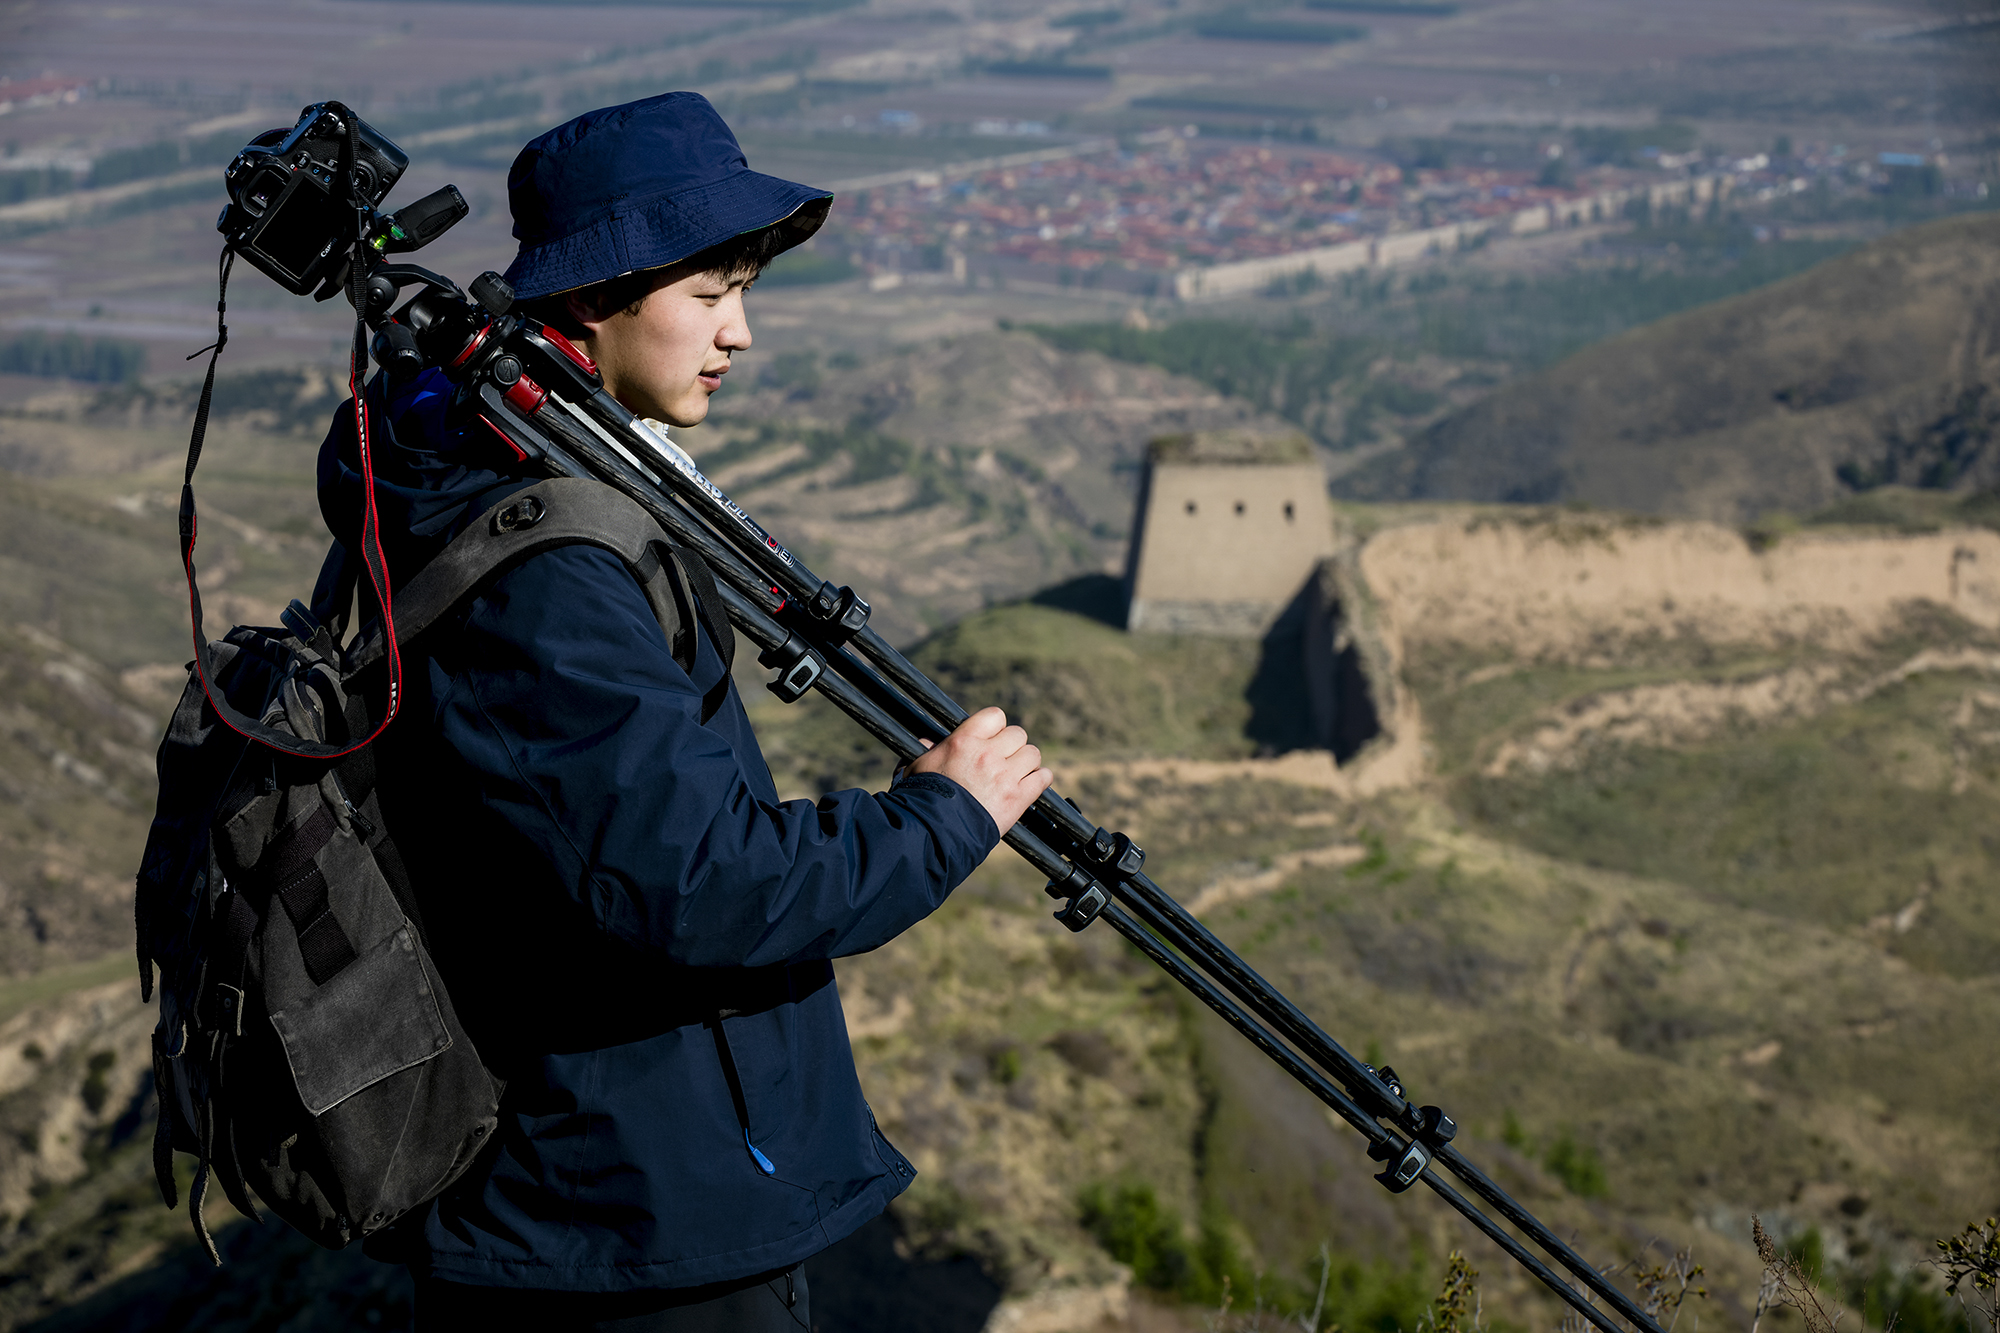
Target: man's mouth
[{"x": 712, "y": 379}]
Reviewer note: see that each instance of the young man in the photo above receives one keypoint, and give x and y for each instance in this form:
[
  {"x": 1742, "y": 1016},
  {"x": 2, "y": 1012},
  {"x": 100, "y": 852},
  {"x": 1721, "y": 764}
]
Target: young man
[{"x": 636, "y": 932}]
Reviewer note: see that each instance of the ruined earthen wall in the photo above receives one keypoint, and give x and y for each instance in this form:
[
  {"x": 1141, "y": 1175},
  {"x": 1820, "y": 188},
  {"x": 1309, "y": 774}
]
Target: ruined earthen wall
[{"x": 1553, "y": 589}]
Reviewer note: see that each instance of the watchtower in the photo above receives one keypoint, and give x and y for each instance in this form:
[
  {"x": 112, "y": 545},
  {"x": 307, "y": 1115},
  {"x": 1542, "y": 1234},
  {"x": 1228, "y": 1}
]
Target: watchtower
[{"x": 1230, "y": 526}]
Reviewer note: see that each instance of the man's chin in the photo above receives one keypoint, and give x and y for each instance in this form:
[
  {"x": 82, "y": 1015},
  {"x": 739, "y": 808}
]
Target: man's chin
[{"x": 681, "y": 414}]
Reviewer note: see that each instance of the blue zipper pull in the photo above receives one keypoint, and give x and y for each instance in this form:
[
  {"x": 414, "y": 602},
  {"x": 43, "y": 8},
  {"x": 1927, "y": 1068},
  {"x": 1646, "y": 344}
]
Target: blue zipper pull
[{"x": 763, "y": 1162}]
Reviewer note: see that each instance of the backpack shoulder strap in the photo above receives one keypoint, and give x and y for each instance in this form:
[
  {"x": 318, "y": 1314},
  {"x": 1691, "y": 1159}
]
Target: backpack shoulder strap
[
  {"x": 708, "y": 604},
  {"x": 568, "y": 511}
]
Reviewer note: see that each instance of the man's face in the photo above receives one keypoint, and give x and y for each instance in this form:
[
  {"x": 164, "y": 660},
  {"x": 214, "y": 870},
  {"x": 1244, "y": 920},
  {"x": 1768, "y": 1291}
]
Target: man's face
[{"x": 666, "y": 358}]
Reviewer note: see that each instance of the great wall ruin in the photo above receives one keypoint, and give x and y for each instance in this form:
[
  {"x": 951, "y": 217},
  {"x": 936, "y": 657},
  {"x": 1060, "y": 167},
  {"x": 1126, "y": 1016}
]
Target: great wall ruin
[{"x": 1522, "y": 585}]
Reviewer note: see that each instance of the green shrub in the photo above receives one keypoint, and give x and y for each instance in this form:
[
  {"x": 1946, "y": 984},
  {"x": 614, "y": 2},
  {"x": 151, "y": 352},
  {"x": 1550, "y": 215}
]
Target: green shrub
[
  {"x": 1287, "y": 370},
  {"x": 164, "y": 157},
  {"x": 97, "y": 1088},
  {"x": 68, "y": 356},
  {"x": 805, "y": 268},
  {"x": 1577, "y": 1166},
  {"x": 1905, "y": 1302},
  {"x": 1135, "y": 1228},
  {"x": 22, "y": 183},
  {"x": 1237, "y": 26},
  {"x": 1376, "y": 1297},
  {"x": 1624, "y": 146}
]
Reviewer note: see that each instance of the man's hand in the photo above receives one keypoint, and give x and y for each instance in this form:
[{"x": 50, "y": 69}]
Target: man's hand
[{"x": 993, "y": 761}]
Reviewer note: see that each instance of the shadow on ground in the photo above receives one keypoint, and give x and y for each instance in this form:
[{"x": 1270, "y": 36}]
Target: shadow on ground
[
  {"x": 1280, "y": 714},
  {"x": 275, "y": 1278},
  {"x": 1101, "y": 597}
]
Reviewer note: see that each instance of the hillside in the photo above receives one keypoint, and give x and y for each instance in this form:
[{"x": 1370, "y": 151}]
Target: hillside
[
  {"x": 1667, "y": 878},
  {"x": 1881, "y": 366},
  {"x": 937, "y": 479},
  {"x": 948, "y": 476}
]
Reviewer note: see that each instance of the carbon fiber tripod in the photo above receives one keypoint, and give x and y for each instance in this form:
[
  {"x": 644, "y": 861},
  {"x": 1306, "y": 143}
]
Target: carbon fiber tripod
[{"x": 545, "y": 402}]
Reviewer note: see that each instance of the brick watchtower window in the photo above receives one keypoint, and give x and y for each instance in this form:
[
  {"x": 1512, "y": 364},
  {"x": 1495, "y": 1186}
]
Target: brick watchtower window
[
  {"x": 1190, "y": 506},
  {"x": 1288, "y": 511},
  {"x": 1239, "y": 506}
]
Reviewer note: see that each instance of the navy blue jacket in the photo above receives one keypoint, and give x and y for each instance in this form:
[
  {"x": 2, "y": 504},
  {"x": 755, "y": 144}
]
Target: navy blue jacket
[{"x": 635, "y": 931}]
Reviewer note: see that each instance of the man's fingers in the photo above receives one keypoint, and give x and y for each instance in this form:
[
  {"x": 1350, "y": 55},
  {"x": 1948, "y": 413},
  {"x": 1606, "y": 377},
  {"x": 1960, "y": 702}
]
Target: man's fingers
[
  {"x": 994, "y": 761},
  {"x": 985, "y": 724},
  {"x": 1024, "y": 761}
]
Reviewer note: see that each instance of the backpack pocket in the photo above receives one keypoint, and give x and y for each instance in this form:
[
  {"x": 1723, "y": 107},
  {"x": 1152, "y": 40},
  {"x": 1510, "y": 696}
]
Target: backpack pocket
[{"x": 373, "y": 1018}]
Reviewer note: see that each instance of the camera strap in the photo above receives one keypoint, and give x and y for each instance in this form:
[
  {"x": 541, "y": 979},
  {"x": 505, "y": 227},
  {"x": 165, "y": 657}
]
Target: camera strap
[{"x": 370, "y": 546}]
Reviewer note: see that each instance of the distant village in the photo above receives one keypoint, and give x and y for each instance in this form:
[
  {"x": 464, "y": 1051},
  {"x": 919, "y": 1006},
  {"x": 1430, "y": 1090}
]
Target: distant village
[{"x": 1171, "y": 213}]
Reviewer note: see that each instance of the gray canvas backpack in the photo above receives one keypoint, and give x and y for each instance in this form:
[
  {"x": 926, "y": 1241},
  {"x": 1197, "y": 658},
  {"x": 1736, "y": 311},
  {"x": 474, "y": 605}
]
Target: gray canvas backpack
[{"x": 306, "y": 1052}]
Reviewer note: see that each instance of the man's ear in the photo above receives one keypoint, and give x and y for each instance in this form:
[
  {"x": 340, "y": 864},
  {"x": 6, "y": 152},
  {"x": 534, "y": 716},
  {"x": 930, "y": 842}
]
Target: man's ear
[{"x": 585, "y": 312}]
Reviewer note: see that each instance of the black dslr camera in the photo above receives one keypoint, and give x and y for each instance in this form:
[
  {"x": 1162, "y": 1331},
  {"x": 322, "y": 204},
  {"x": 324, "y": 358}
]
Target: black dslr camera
[{"x": 293, "y": 211}]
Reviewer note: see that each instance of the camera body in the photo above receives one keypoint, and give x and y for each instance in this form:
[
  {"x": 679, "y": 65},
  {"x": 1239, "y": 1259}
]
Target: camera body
[{"x": 288, "y": 213}]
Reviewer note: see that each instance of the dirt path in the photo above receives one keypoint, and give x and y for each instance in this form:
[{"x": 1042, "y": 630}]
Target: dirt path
[
  {"x": 1236, "y": 888},
  {"x": 1688, "y": 711},
  {"x": 1301, "y": 768}
]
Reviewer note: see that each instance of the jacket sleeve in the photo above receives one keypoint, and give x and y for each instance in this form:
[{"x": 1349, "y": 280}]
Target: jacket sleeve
[{"x": 585, "y": 736}]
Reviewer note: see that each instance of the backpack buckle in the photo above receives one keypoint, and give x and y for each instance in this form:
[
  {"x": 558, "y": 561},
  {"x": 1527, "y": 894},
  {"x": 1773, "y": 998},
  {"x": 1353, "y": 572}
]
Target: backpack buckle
[
  {"x": 225, "y": 1009},
  {"x": 522, "y": 514},
  {"x": 299, "y": 619}
]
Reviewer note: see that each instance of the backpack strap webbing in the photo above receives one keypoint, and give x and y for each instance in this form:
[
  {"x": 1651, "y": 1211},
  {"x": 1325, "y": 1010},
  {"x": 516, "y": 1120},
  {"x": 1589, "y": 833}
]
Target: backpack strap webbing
[
  {"x": 708, "y": 604},
  {"x": 699, "y": 579},
  {"x": 567, "y": 511}
]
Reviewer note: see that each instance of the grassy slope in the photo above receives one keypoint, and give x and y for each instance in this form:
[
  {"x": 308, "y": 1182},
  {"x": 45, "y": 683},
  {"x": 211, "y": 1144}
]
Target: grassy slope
[
  {"x": 1652, "y": 980},
  {"x": 93, "y": 629},
  {"x": 1745, "y": 405},
  {"x": 1705, "y": 1044},
  {"x": 76, "y": 786},
  {"x": 1580, "y": 958}
]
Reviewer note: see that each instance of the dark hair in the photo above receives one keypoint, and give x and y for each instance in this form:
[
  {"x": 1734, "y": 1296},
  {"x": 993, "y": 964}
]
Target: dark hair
[{"x": 743, "y": 257}]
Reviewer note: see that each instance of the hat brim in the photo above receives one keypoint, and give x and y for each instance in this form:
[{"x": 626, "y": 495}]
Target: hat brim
[{"x": 663, "y": 231}]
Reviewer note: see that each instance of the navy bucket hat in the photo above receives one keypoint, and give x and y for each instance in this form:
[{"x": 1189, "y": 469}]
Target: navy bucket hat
[{"x": 640, "y": 186}]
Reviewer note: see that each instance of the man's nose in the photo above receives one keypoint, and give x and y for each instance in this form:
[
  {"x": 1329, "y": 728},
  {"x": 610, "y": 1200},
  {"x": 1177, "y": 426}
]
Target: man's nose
[{"x": 734, "y": 335}]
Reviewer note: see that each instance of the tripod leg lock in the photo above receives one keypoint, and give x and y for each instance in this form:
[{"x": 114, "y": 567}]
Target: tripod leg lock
[
  {"x": 1433, "y": 1126},
  {"x": 1115, "y": 853},
  {"x": 1086, "y": 898},
  {"x": 1083, "y": 910},
  {"x": 842, "y": 611},
  {"x": 1410, "y": 1164},
  {"x": 1427, "y": 1123},
  {"x": 797, "y": 666}
]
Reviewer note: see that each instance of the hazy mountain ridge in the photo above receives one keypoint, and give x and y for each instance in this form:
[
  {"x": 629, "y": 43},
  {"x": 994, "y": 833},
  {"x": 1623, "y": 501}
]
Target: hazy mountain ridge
[{"x": 1878, "y": 366}]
